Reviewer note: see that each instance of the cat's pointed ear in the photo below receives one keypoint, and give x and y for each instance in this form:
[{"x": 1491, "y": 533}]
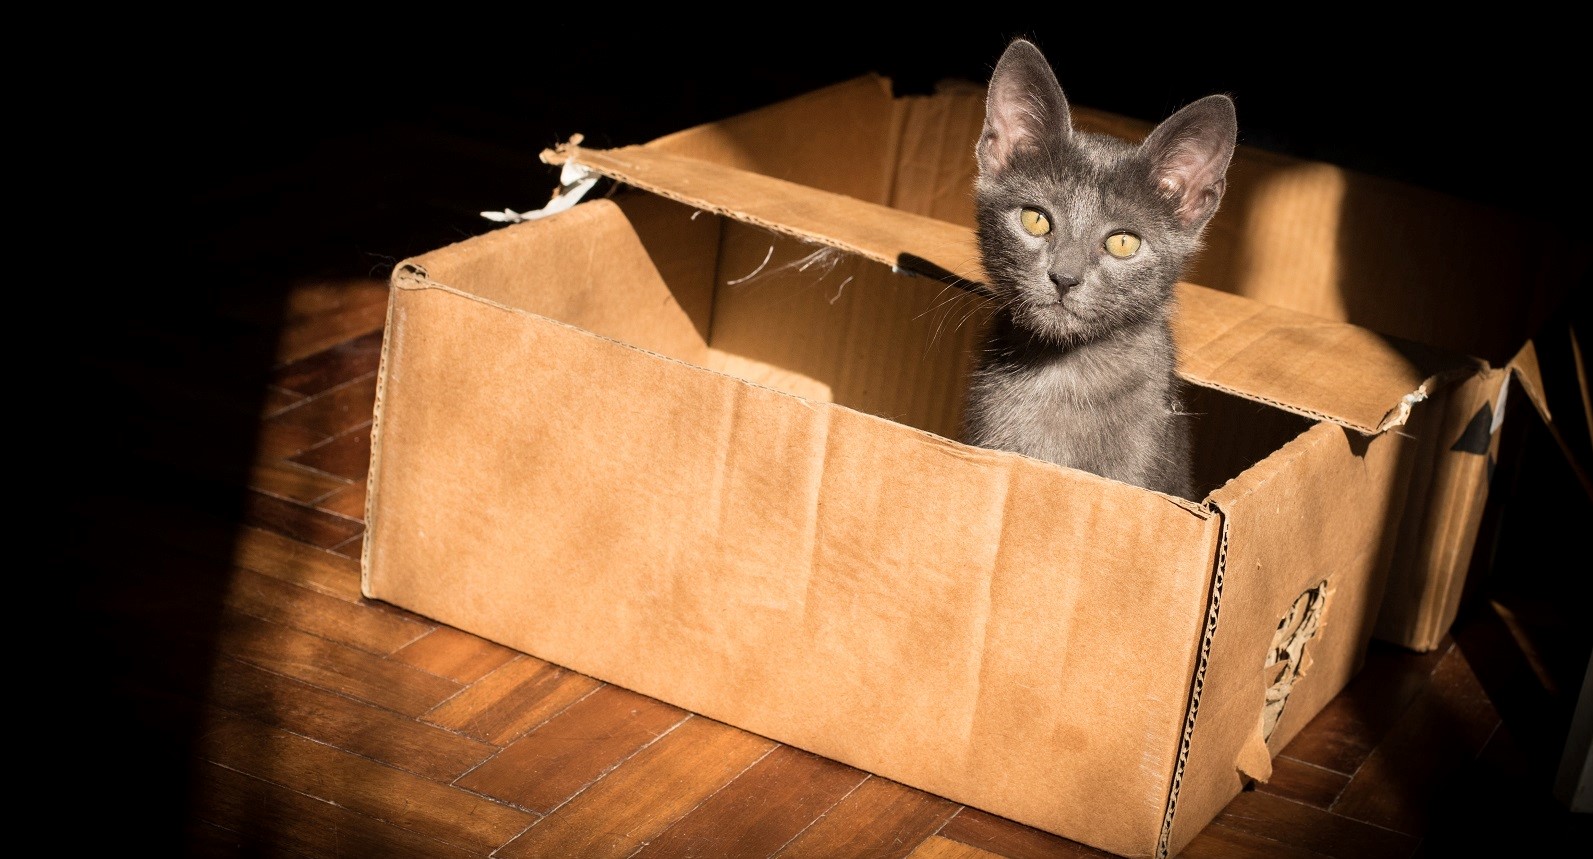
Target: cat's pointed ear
[
  {"x": 1024, "y": 108},
  {"x": 1189, "y": 154}
]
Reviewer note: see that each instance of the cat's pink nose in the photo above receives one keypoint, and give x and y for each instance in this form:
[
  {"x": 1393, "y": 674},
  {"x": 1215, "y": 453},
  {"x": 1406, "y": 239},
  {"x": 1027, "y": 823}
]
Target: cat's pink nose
[{"x": 1063, "y": 283}]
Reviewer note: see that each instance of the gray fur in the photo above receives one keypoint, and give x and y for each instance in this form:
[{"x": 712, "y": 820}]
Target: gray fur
[{"x": 1082, "y": 374}]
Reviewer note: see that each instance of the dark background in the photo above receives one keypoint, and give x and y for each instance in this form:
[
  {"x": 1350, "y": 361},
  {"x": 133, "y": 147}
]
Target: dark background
[
  {"x": 412, "y": 130},
  {"x": 198, "y": 166}
]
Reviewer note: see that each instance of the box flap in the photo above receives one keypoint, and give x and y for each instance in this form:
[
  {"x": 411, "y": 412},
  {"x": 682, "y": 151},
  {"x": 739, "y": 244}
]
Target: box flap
[
  {"x": 1525, "y": 367},
  {"x": 1324, "y": 370},
  {"x": 909, "y": 242}
]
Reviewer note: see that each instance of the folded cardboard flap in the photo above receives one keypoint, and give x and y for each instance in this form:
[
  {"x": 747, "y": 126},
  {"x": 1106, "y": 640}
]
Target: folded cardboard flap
[{"x": 1313, "y": 367}]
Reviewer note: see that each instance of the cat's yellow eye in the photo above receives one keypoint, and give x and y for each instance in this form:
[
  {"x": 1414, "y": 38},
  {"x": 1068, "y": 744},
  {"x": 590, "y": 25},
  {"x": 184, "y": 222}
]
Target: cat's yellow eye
[
  {"x": 1122, "y": 245},
  {"x": 1035, "y": 222}
]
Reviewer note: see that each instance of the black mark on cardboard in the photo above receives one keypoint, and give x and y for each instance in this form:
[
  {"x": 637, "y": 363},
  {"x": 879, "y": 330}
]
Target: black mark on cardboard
[
  {"x": 917, "y": 265},
  {"x": 1474, "y": 438},
  {"x": 1358, "y": 442}
]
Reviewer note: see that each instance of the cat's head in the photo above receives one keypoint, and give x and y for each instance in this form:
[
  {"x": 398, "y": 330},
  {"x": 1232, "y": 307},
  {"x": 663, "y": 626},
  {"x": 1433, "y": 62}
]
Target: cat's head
[{"x": 1081, "y": 233}]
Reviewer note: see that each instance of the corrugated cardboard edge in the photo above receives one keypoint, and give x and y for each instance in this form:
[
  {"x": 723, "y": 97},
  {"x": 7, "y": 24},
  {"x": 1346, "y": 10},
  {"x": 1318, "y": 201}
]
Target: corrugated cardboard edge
[
  {"x": 403, "y": 271},
  {"x": 1197, "y": 686},
  {"x": 409, "y": 271},
  {"x": 409, "y": 274},
  {"x": 1396, "y": 417},
  {"x": 1528, "y": 374}
]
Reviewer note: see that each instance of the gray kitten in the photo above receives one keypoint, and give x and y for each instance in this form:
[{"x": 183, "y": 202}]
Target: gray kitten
[{"x": 1082, "y": 237}]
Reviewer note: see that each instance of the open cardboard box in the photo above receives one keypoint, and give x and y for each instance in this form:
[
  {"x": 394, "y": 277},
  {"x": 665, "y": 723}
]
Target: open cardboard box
[
  {"x": 696, "y": 440},
  {"x": 1303, "y": 235}
]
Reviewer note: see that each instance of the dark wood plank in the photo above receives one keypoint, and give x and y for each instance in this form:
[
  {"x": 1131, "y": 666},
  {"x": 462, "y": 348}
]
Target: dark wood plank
[
  {"x": 1303, "y": 782},
  {"x": 294, "y": 481},
  {"x": 1309, "y": 828},
  {"x": 321, "y": 298},
  {"x": 564, "y": 755},
  {"x": 1011, "y": 839},
  {"x": 375, "y": 632},
  {"x": 329, "y": 368},
  {"x": 348, "y": 501},
  {"x": 327, "y": 717},
  {"x": 359, "y": 784},
  {"x": 1442, "y": 730},
  {"x": 333, "y": 666},
  {"x": 881, "y": 819},
  {"x": 347, "y": 455},
  {"x": 280, "y": 441},
  {"x": 196, "y": 529},
  {"x": 302, "y": 338},
  {"x": 275, "y": 401},
  {"x": 1222, "y": 842},
  {"x": 302, "y": 523},
  {"x": 512, "y": 700},
  {"x": 1506, "y": 651},
  {"x": 945, "y": 848},
  {"x": 350, "y": 548},
  {"x": 459, "y": 656},
  {"x": 1346, "y": 730},
  {"x": 274, "y": 819},
  {"x": 656, "y": 787},
  {"x": 298, "y": 563},
  {"x": 335, "y": 411},
  {"x": 762, "y": 810}
]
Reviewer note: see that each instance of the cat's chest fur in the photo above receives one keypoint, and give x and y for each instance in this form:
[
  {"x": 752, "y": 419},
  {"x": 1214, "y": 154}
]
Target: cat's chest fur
[{"x": 1100, "y": 407}]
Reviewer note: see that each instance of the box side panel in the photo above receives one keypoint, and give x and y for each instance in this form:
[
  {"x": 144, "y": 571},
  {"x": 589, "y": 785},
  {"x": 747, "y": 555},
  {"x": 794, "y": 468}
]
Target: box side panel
[
  {"x": 680, "y": 243},
  {"x": 1003, "y": 632},
  {"x": 1456, "y": 442},
  {"x": 1394, "y": 258},
  {"x": 935, "y": 167},
  {"x": 846, "y": 328},
  {"x": 1310, "y": 532},
  {"x": 841, "y": 138},
  {"x": 594, "y": 272}
]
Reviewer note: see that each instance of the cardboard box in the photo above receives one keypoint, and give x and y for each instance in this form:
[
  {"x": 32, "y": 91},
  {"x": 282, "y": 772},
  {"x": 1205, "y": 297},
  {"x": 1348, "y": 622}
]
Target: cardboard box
[
  {"x": 1303, "y": 235},
  {"x": 696, "y": 441}
]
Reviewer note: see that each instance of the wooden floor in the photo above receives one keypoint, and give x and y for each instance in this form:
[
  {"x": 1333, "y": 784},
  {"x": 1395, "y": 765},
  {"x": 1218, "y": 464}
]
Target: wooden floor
[
  {"x": 224, "y": 690},
  {"x": 305, "y": 719}
]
